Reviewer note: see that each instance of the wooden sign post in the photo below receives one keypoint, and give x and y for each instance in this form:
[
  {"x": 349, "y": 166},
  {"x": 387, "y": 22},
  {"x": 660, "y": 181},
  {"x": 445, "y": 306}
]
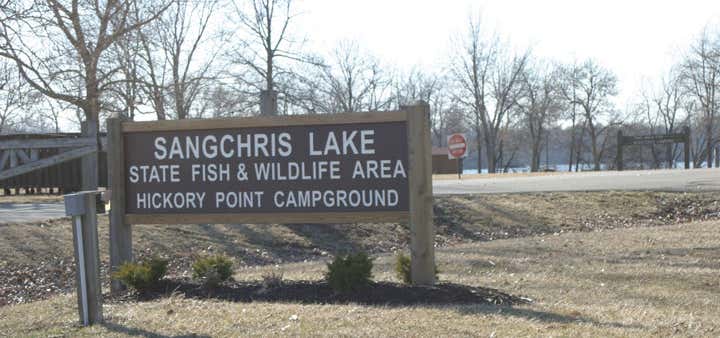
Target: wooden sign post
[
  {"x": 334, "y": 168},
  {"x": 422, "y": 231},
  {"x": 120, "y": 231}
]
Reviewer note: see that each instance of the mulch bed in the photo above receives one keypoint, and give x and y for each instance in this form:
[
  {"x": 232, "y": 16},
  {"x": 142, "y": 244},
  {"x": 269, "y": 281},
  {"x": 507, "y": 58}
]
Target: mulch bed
[{"x": 319, "y": 292}]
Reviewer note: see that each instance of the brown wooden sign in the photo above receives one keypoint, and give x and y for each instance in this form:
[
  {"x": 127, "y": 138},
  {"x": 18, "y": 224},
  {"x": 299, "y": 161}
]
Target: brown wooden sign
[
  {"x": 665, "y": 139},
  {"x": 323, "y": 169},
  {"x": 334, "y": 168}
]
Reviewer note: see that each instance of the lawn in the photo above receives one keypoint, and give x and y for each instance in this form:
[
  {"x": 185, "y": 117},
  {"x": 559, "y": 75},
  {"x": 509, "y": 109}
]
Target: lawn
[
  {"x": 642, "y": 281},
  {"x": 36, "y": 259}
]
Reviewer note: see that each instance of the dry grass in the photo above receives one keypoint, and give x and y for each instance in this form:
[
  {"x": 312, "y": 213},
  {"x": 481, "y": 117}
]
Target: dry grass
[
  {"x": 484, "y": 217},
  {"x": 458, "y": 219},
  {"x": 658, "y": 281}
]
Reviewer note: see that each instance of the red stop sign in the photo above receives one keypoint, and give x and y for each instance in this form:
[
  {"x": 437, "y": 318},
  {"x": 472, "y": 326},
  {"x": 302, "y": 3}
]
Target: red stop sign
[{"x": 457, "y": 146}]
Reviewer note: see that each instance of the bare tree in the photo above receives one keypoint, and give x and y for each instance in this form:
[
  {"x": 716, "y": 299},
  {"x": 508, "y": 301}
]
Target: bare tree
[
  {"x": 663, "y": 108},
  {"x": 74, "y": 36},
  {"x": 52, "y": 111},
  {"x": 75, "y": 32},
  {"x": 431, "y": 88},
  {"x": 220, "y": 100},
  {"x": 185, "y": 26},
  {"x": 125, "y": 96},
  {"x": 595, "y": 85},
  {"x": 416, "y": 85},
  {"x": 162, "y": 62},
  {"x": 568, "y": 88},
  {"x": 270, "y": 51},
  {"x": 489, "y": 86},
  {"x": 155, "y": 75},
  {"x": 354, "y": 81},
  {"x": 540, "y": 106},
  {"x": 701, "y": 72},
  {"x": 15, "y": 96}
]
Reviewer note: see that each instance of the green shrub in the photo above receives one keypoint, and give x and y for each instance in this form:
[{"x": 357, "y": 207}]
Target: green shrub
[
  {"x": 143, "y": 276},
  {"x": 213, "y": 270},
  {"x": 403, "y": 266},
  {"x": 349, "y": 272},
  {"x": 158, "y": 268}
]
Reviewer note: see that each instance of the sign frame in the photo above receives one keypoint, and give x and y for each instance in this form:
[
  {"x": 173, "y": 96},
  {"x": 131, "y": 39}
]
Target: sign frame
[
  {"x": 419, "y": 171},
  {"x": 666, "y": 139},
  {"x": 262, "y": 122}
]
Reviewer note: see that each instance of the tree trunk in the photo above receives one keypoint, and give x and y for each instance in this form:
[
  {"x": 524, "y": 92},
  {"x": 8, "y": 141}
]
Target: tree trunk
[
  {"x": 595, "y": 152},
  {"x": 478, "y": 141},
  {"x": 579, "y": 148},
  {"x": 536, "y": 151},
  {"x": 268, "y": 102},
  {"x": 159, "y": 105},
  {"x": 180, "y": 102},
  {"x": 535, "y": 161},
  {"x": 268, "y": 97},
  {"x": 89, "y": 163},
  {"x": 709, "y": 142},
  {"x": 491, "y": 153},
  {"x": 572, "y": 145}
]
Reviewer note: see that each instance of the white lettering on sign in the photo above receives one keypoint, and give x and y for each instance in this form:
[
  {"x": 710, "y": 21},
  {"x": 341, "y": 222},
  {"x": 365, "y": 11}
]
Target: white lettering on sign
[
  {"x": 227, "y": 146},
  {"x": 336, "y": 198},
  {"x": 315, "y": 170},
  {"x": 240, "y": 199},
  {"x": 263, "y": 169},
  {"x": 154, "y": 173},
  {"x": 210, "y": 172},
  {"x": 378, "y": 169},
  {"x": 347, "y": 145},
  {"x": 174, "y": 200}
]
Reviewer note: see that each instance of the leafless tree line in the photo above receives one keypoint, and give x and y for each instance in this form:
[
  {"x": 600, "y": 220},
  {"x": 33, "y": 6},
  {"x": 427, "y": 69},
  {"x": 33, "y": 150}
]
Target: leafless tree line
[
  {"x": 686, "y": 95},
  {"x": 177, "y": 59}
]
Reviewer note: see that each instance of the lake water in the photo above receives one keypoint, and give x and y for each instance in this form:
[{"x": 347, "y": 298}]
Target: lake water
[{"x": 564, "y": 167}]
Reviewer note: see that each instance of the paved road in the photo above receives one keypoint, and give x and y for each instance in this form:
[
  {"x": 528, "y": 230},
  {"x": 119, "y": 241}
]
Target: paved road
[
  {"x": 20, "y": 213},
  {"x": 661, "y": 180}
]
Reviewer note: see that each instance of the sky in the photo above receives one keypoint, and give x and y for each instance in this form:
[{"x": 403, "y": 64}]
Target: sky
[{"x": 638, "y": 40}]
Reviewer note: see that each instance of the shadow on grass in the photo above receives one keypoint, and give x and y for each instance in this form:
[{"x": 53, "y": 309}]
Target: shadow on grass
[
  {"x": 481, "y": 218},
  {"x": 319, "y": 292},
  {"x": 134, "y": 331},
  {"x": 331, "y": 238},
  {"x": 540, "y": 316}
]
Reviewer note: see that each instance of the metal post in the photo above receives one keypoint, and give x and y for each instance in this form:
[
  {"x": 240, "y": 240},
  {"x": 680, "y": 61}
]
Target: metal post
[
  {"x": 80, "y": 249},
  {"x": 81, "y": 206},
  {"x": 460, "y": 167}
]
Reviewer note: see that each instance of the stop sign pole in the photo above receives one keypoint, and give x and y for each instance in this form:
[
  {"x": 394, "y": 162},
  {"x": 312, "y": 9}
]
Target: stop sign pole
[{"x": 457, "y": 149}]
